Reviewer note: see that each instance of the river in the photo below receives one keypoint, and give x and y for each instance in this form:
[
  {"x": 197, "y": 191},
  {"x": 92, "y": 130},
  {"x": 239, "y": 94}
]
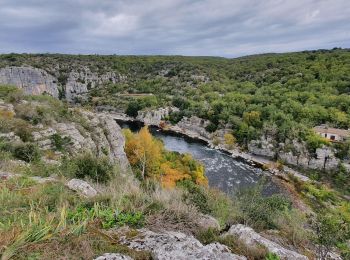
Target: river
[{"x": 223, "y": 171}]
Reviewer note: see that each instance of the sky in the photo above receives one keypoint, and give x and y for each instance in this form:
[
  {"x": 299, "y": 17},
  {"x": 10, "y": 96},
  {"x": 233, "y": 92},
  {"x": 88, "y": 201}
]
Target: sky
[{"x": 228, "y": 28}]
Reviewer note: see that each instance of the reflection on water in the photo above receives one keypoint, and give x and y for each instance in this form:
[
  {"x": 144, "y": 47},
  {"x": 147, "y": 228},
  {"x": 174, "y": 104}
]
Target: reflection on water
[{"x": 223, "y": 171}]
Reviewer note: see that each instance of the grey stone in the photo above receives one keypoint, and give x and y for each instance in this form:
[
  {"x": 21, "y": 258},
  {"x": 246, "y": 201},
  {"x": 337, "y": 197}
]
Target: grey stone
[
  {"x": 80, "y": 81},
  {"x": 263, "y": 147},
  {"x": 207, "y": 221},
  {"x": 252, "y": 239},
  {"x": 82, "y": 187},
  {"x": 113, "y": 256},
  {"x": 170, "y": 245},
  {"x": 155, "y": 117}
]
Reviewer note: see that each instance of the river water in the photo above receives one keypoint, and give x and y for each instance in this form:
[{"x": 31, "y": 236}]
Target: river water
[{"x": 223, "y": 171}]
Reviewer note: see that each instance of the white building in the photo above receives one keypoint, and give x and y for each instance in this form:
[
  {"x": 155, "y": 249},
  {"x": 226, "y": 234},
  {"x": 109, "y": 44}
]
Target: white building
[{"x": 332, "y": 134}]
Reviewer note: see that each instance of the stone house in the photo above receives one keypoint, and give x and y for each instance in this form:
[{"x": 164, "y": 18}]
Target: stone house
[{"x": 332, "y": 134}]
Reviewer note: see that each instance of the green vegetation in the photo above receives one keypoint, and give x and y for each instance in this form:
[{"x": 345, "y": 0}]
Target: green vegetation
[
  {"x": 89, "y": 166},
  {"x": 278, "y": 95}
]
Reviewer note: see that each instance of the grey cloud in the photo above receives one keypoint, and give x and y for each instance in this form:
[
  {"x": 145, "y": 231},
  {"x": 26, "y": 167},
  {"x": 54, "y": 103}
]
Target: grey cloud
[{"x": 188, "y": 27}]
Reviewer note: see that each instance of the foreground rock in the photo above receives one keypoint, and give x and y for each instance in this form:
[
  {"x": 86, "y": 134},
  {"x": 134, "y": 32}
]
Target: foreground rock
[
  {"x": 170, "y": 245},
  {"x": 109, "y": 256},
  {"x": 252, "y": 239},
  {"x": 82, "y": 187}
]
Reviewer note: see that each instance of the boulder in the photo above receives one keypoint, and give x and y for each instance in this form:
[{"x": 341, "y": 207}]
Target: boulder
[
  {"x": 113, "y": 256},
  {"x": 252, "y": 239},
  {"x": 82, "y": 187},
  {"x": 207, "y": 221},
  {"x": 169, "y": 245}
]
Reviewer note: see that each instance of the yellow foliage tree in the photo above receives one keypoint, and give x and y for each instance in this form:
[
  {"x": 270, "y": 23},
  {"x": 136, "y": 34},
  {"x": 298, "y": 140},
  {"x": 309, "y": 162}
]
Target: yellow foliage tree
[
  {"x": 143, "y": 151},
  {"x": 230, "y": 140},
  {"x": 147, "y": 155}
]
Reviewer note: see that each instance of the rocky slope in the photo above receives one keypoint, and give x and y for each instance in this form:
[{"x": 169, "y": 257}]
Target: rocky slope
[
  {"x": 74, "y": 85},
  {"x": 86, "y": 131}
]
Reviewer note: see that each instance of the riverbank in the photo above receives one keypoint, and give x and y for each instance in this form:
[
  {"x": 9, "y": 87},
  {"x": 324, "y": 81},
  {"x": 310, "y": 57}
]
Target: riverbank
[{"x": 253, "y": 160}]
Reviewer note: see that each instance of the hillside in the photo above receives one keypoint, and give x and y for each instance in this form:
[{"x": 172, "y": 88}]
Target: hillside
[
  {"x": 74, "y": 185},
  {"x": 269, "y": 103}
]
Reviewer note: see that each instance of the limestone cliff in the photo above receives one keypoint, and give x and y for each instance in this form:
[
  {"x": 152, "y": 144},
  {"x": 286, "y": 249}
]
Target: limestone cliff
[
  {"x": 79, "y": 82},
  {"x": 32, "y": 80}
]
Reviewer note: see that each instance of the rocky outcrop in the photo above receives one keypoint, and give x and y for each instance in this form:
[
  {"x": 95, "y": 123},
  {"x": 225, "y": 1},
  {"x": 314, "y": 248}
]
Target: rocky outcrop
[
  {"x": 263, "y": 147},
  {"x": 82, "y": 187},
  {"x": 170, "y": 245},
  {"x": 154, "y": 117},
  {"x": 295, "y": 153},
  {"x": 323, "y": 159},
  {"x": 107, "y": 137},
  {"x": 252, "y": 239},
  {"x": 113, "y": 256},
  {"x": 32, "y": 80},
  {"x": 193, "y": 127},
  {"x": 80, "y": 82},
  {"x": 98, "y": 133}
]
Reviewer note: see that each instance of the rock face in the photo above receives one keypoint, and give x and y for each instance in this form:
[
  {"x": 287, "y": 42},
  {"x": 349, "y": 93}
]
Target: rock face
[
  {"x": 109, "y": 256},
  {"x": 262, "y": 147},
  {"x": 323, "y": 159},
  {"x": 194, "y": 127},
  {"x": 295, "y": 153},
  {"x": 32, "y": 80},
  {"x": 100, "y": 135},
  {"x": 154, "y": 117},
  {"x": 248, "y": 236},
  {"x": 82, "y": 187},
  {"x": 36, "y": 81},
  {"x": 80, "y": 82},
  {"x": 177, "y": 246}
]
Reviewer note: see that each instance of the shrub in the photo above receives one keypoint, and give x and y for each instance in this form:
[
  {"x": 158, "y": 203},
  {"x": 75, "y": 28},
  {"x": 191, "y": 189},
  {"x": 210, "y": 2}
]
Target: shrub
[
  {"x": 98, "y": 169},
  {"x": 195, "y": 195},
  {"x": 59, "y": 142},
  {"x": 133, "y": 108},
  {"x": 211, "y": 127},
  {"x": 27, "y": 152},
  {"x": 132, "y": 219},
  {"x": 23, "y": 130},
  {"x": 259, "y": 211}
]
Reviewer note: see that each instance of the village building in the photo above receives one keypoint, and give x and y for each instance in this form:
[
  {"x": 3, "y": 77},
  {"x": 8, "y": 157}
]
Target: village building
[{"x": 332, "y": 134}]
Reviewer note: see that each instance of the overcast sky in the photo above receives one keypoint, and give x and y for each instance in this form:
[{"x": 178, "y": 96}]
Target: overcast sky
[{"x": 227, "y": 28}]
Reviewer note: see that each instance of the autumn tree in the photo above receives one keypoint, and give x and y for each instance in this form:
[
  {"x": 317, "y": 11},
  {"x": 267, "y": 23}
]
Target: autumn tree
[
  {"x": 230, "y": 140},
  {"x": 144, "y": 152},
  {"x": 148, "y": 158}
]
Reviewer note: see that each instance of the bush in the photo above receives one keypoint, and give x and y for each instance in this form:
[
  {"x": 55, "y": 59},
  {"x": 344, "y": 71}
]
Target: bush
[
  {"x": 259, "y": 211},
  {"x": 27, "y": 152},
  {"x": 211, "y": 127},
  {"x": 131, "y": 219},
  {"x": 195, "y": 195},
  {"x": 133, "y": 108},
  {"x": 88, "y": 165},
  {"x": 59, "y": 142}
]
